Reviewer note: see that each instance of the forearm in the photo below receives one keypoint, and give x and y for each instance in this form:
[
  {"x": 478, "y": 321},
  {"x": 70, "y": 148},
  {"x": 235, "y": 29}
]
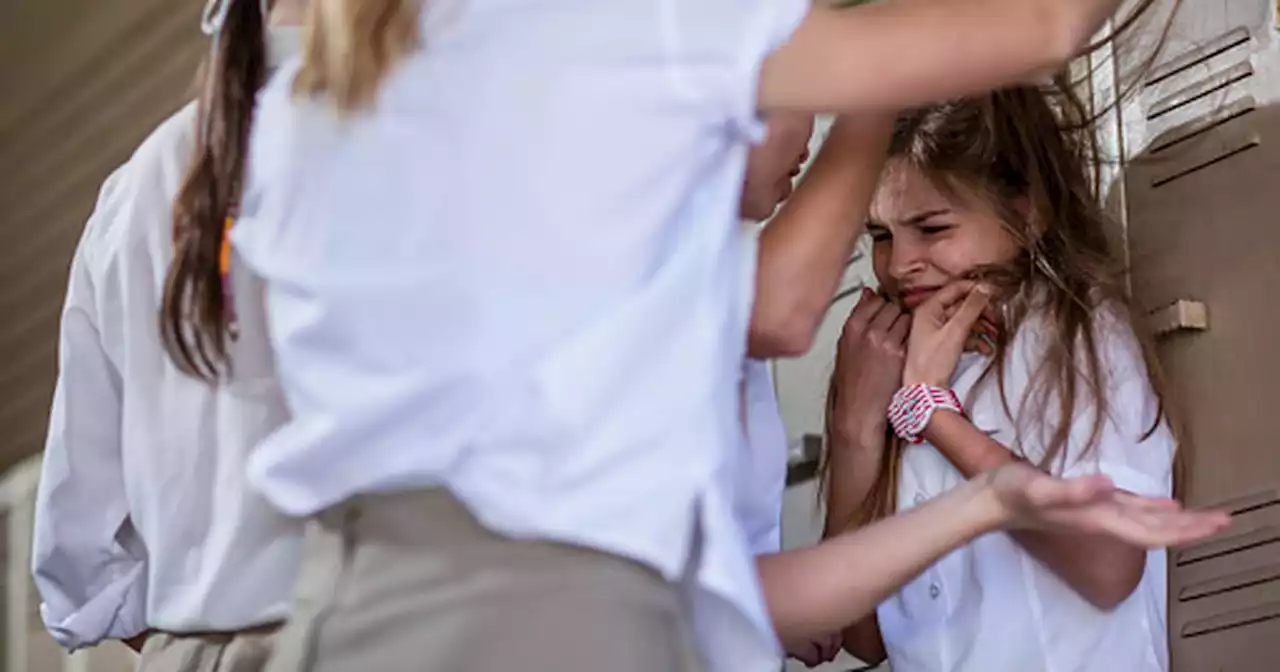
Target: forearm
[
  {"x": 956, "y": 49},
  {"x": 1104, "y": 571},
  {"x": 856, "y": 453},
  {"x": 826, "y": 587},
  {"x": 804, "y": 249}
]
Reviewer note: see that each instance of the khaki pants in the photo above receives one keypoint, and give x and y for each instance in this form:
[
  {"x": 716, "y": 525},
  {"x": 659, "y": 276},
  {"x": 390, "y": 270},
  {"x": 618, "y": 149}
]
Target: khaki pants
[
  {"x": 412, "y": 582},
  {"x": 246, "y": 651}
]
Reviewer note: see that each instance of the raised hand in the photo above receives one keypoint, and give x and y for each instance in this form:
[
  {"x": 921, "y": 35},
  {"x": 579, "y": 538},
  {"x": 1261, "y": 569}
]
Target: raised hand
[
  {"x": 816, "y": 651},
  {"x": 1032, "y": 499},
  {"x": 940, "y": 328},
  {"x": 869, "y": 360}
]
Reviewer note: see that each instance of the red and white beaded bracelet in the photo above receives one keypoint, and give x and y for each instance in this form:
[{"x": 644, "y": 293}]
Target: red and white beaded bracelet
[{"x": 914, "y": 405}]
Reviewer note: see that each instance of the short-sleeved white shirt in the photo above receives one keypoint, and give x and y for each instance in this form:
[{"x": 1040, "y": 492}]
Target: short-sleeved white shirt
[
  {"x": 990, "y": 605},
  {"x": 519, "y": 276}
]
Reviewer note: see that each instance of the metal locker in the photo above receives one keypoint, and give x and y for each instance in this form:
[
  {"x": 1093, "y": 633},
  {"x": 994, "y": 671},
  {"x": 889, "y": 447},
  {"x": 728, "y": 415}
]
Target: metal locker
[{"x": 1198, "y": 188}]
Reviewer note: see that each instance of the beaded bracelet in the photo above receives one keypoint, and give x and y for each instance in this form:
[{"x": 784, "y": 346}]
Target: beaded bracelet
[{"x": 913, "y": 406}]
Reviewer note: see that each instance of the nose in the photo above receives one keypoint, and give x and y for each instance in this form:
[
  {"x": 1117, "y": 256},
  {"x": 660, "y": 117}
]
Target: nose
[{"x": 906, "y": 259}]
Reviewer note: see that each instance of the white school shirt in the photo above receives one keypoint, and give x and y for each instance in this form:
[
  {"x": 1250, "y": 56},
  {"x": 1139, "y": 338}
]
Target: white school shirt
[
  {"x": 990, "y": 605},
  {"x": 519, "y": 277},
  {"x": 761, "y": 466},
  {"x": 144, "y": 517}
]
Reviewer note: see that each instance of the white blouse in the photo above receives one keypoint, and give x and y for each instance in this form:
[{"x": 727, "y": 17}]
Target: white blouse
[
  {"x": 144, "y": 517},
  {"x": 519, "y": 276},
  {"x": 990, "y": 605}
]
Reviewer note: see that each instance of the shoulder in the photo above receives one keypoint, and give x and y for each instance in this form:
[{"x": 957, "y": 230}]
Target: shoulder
[
  {"x": 1113, "y": 333},
  {"x": 137, "y": 196}
]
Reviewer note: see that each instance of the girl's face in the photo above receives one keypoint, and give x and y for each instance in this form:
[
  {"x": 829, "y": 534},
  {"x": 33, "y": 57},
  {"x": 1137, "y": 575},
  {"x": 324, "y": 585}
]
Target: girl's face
[{"x": 924, "y": 239}]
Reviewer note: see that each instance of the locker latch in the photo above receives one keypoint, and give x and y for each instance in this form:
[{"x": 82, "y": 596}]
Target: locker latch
[{"x": 1181, "y": 315}]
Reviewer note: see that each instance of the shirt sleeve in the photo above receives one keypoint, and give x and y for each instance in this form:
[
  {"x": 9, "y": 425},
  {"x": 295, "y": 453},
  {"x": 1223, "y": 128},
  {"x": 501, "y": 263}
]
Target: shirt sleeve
[
  {"x": 1132, "y": 448},
  {"x": 718, "y": 48},
  {"x": 86, "y": 560}
]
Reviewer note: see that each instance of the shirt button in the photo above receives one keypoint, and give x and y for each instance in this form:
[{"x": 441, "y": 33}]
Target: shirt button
[
  {"x": 934, "y": 591},
  {"x": 919, "y": 498}
]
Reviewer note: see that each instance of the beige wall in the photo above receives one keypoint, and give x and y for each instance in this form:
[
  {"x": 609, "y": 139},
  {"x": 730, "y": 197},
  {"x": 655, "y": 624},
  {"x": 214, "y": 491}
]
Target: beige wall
[{"x": 82, "y": 83}]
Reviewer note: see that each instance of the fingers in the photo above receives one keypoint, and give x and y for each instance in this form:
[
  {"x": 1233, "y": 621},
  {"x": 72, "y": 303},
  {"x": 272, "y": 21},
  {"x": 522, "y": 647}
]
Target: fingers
[
  {"x": 885, "y": 318},
  {"x": 831, "y": 647},
  {"x": 952, "y": 293},
  {"x": 1154, "y": 529},
  {"x": 966, "y": 316},
  {"x": 866, "y": 309},
  {"x": 1045, "y": 492},
  {"x": 819, "y": 651},
  {"x": 900, "y": 330}
]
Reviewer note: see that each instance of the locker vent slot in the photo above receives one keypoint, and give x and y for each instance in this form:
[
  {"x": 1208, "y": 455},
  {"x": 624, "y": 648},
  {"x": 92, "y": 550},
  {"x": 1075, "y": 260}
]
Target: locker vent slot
[
  {"x": 1269, "y": 534},
  {"x": 1199, "y": 90},
  {"x": 1198, "y": 55},
  {"x": 1230, "y": 582},
  {"x": 1248, "y": 144},
  {"x": 1246, "y": 503},
  {"x": 1198, "y": 127},
  {"x": 1232, "y": 619}
]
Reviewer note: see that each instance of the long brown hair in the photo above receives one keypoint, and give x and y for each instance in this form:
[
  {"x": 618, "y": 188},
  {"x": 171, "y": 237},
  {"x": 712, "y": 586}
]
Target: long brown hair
[
  {"x": 1027, "y": 151},
  {"x": 353, "y": 45},
  {"x": 193, "y": 324}
]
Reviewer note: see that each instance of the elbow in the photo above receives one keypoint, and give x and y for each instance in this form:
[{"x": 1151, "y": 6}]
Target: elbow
[
  {"x": 788, "y": 333},
  {"x": 1113, "y": 585},
  {"x": 774, "y": 344}
]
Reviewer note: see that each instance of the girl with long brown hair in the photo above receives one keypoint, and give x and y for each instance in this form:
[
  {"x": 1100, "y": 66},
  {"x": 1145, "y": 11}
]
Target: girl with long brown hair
[
  {"x": 508, "y": 306},
  {"x": 998, "y": 189},
  {"x": 146, "y": 530}
]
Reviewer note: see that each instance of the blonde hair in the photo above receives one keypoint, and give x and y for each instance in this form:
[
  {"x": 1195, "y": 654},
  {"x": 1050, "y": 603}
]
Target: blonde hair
[{"x": 352, "y": 45}]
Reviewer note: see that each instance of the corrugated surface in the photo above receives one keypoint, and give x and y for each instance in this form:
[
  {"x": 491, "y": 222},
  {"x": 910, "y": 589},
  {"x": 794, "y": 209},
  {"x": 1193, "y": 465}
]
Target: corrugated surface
[{"x": 83, "y": 83}]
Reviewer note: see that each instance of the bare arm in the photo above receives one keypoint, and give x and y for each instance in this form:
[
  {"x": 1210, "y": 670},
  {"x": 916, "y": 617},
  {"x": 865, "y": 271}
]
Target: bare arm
[
  {"x": 855, "y": 462},
  {"x": 804, "y": 248},
  {"x": 822, "y": 588},
  {"x": 1102, "y": 570},
  {"x": 825, "y": 587},
  {"x": 869, "y": 362},
  {"x": 909, "y": 52}
]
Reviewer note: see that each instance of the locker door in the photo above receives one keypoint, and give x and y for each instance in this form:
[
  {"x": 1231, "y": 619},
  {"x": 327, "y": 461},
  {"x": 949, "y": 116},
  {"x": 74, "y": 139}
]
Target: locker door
[{"x": 1204, "y": 249}]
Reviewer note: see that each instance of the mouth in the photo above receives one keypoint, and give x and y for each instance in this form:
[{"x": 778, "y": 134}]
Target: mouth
[{"x": 913, "y": 297}]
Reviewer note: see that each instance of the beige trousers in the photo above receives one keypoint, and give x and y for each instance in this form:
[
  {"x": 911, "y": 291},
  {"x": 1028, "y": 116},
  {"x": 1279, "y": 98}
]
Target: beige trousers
[
  {"x": 412, "y": 582},
  {"x": 246, "y": 651}
]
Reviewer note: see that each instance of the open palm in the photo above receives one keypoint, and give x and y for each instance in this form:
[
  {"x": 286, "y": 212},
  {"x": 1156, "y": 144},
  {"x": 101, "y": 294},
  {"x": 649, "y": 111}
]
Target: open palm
[{"x": 1093, "y": 504}]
